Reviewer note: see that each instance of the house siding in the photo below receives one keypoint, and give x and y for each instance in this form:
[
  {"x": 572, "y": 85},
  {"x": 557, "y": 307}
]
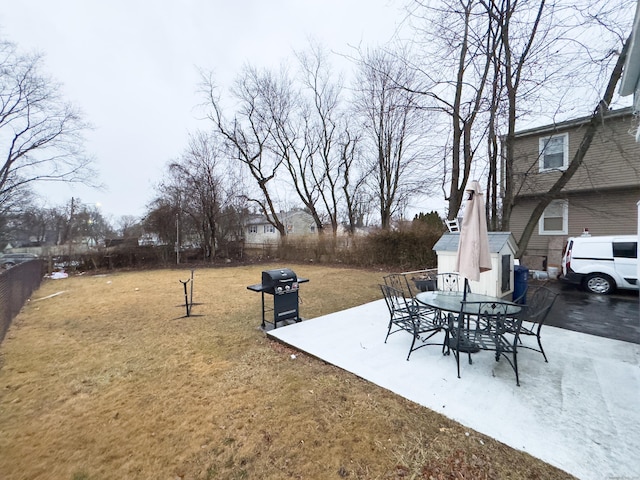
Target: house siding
[
  {"x": 297, "y": 224},
  {"x": 613, "y": 159},
  {"x": 602, "y": 195},
  {"x": 602, "y": 213}
]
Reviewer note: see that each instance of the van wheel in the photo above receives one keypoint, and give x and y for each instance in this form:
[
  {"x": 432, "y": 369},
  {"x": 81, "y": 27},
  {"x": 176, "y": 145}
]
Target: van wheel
[{"x": 599, "y": 283}]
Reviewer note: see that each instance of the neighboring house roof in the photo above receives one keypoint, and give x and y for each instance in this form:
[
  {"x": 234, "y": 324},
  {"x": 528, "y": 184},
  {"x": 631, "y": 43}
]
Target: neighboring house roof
[
  {"x": 258, "y": 219},
  {"x": 497, "y": 241},
  {"x": 576, "y": 122},
  {"x": 631, "y": 74}
]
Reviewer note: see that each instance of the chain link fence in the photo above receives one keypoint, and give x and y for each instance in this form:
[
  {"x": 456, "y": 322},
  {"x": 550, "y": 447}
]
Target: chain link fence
[{"x": 16, "y": 285}]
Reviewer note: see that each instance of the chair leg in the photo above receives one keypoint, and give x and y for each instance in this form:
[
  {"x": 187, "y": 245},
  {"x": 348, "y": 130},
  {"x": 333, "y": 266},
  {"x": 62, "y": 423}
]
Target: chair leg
[
  {"x": 411, "y": 349},
  {"x": 446, "y": 343},
  {"x": 388, "y": 331},
  {"x": 456, "y": 353},
  {"x": 542, "y": 349},
  {"x": 515, "y": 366}
]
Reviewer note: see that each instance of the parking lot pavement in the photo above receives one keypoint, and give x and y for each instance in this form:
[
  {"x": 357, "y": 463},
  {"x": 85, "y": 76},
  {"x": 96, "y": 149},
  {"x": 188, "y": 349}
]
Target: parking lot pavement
[{"x": 615, "y": 316}]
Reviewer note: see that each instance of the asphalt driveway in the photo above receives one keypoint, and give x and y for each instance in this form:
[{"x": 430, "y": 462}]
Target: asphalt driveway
[{"x": 615, "y": 316}]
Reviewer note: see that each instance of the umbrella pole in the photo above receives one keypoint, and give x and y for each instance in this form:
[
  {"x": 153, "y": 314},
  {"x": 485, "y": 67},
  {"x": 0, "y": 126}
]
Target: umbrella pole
[{"x": 466, "y": 287}]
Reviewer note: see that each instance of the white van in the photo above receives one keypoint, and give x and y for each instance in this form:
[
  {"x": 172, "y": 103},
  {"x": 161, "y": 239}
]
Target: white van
[{"x": 601, "y": 264}]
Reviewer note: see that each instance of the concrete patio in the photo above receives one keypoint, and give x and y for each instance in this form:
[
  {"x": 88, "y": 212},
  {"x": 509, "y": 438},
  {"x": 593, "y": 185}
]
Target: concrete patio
[{"x": 580, "y": 412}]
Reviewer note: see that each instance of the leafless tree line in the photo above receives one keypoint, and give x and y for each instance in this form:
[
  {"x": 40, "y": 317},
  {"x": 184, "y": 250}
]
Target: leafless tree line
[
  {"x": 438, "y": 109},
  {"x": 432, "y": 110},
  {"x": 281, "y": 140}
]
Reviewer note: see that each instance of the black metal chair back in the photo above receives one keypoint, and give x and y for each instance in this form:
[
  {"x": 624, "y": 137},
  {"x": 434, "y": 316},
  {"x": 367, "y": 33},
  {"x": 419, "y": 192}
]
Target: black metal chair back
[
  {"x": 485, "y": 326},
  {"x": 535, "y": 312},
  {"x": 452, "y": 282},
  {"x": 399, "y": 282}
]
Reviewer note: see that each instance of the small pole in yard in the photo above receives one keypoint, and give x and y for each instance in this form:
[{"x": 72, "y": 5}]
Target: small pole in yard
[
  {"x": 186, "y": 297},
  {"x": 191, "y": 289}
]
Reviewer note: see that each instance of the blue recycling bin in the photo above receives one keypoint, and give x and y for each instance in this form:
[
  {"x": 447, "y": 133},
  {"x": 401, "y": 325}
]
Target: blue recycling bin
[{"x": 520, "y": 284}]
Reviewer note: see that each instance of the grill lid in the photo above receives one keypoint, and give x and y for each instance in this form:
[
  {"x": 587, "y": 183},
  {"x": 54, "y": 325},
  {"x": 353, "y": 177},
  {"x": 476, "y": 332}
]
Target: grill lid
[{"x": 279, "y": 280}]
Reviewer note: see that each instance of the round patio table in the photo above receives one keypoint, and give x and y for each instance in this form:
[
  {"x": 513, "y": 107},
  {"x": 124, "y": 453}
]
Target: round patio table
[{"x": 452, "y": 301}]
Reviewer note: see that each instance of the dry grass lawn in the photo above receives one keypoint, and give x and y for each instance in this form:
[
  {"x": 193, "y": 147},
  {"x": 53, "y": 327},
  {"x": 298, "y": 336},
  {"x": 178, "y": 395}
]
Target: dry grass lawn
[{"x": 108, "y": 380}]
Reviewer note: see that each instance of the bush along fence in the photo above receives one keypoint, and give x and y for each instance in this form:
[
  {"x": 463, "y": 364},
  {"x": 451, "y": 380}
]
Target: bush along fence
[{"x": 16, "y": 286}]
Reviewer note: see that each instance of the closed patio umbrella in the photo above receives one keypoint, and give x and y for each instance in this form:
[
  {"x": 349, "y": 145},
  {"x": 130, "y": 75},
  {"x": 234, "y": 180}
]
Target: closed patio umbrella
[{"x": 473, "y": 255}]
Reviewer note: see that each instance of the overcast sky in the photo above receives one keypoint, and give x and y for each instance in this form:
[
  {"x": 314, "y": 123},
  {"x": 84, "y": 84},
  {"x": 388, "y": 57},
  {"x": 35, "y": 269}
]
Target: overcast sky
[{"x": 132, "y": 68}]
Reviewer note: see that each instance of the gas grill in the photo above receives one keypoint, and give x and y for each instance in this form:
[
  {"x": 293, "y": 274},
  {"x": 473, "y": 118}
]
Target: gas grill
[{"x": 283, "y": 284}]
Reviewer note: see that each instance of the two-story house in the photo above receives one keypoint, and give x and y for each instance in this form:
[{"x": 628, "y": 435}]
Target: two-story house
[
  {"x": 601, "y": 197},
  {"x": 258, "y": 231}
]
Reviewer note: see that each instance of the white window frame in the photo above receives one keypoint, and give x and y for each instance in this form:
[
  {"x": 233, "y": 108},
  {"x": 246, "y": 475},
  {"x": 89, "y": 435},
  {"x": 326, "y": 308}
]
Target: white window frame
[
  {"x": 565, "y": 153},
  {"x": 269, "y": 228},
  {"x": 564, "y": 204},
  {"x": 253, "y": 229}
]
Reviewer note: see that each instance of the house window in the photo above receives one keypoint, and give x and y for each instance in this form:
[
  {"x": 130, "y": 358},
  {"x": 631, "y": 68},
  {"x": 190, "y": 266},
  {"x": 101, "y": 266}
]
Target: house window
[
  {"x": 554, "y": 220},
  {"x": 312, "y": 228},
  {"x": 289, "y": 228},
  {"x": 554, "y": 153},
  {"x": 253, "y": 229},
  {"x": 269, "y": 229}
]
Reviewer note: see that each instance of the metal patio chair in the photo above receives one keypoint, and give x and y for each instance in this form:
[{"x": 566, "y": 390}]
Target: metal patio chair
[
  {"x": 400, "y": 282},
  {"x": 488, "y": 328},
  {"x": 406, "y": 315},
  {"x": 534, "y": 313}
]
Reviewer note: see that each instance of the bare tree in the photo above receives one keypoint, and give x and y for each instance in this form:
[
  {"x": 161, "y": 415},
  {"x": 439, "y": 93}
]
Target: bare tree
[
  {"x": 129, "y": 226},
  {"x": 293, "y": 140},
  {"x": 41, "y": 136},
  {"x": 248, "y": 135},
  {"x": 515, "y": 48},
  {"x": 205, "y": 186},
  {"x": 454, "y": 37},
  {"x": 162, "y": 213},
  {"x": 327, "y": 165},
  {"x": 598, "y": 115},
  {"x": 354, "y": 180},
  {"x": 394, "y": 126}
]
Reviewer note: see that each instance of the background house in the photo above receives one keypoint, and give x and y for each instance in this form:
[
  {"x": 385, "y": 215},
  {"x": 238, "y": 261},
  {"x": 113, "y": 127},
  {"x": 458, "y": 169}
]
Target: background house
[
  {"x": 601, "y": 197},
  {"x": 258, "y": 231}
]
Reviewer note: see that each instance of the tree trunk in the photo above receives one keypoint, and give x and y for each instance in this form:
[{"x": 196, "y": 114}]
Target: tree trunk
[{"x": 599, "y": 114}]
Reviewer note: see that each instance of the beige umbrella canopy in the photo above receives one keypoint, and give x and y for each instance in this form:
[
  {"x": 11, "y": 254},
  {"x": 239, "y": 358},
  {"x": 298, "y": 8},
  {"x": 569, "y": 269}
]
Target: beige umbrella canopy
[{"x": 473, "y": 255}]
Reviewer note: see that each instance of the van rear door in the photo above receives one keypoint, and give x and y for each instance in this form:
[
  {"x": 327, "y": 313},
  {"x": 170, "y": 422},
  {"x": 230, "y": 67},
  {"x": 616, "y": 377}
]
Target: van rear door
[{"x": 625, "y": 259}]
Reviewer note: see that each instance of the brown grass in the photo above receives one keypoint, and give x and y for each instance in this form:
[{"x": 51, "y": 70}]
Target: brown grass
[{"x": 107, "y": 381}]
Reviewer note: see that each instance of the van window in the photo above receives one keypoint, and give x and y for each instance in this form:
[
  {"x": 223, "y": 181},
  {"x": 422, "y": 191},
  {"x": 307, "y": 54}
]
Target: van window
[
  {"x": 625, "y": 249},
  {"x": 592, "y": 251}
]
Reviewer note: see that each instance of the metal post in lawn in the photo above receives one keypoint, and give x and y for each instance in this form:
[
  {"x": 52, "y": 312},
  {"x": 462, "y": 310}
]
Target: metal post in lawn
[
  {"x": 186, "y": 296},
  {"x": 191, "y": 292}
]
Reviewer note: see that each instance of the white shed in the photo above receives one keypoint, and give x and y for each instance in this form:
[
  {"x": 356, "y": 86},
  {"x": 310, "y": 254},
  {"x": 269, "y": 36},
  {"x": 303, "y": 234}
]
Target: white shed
[{"x": 498, "y": 282}]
